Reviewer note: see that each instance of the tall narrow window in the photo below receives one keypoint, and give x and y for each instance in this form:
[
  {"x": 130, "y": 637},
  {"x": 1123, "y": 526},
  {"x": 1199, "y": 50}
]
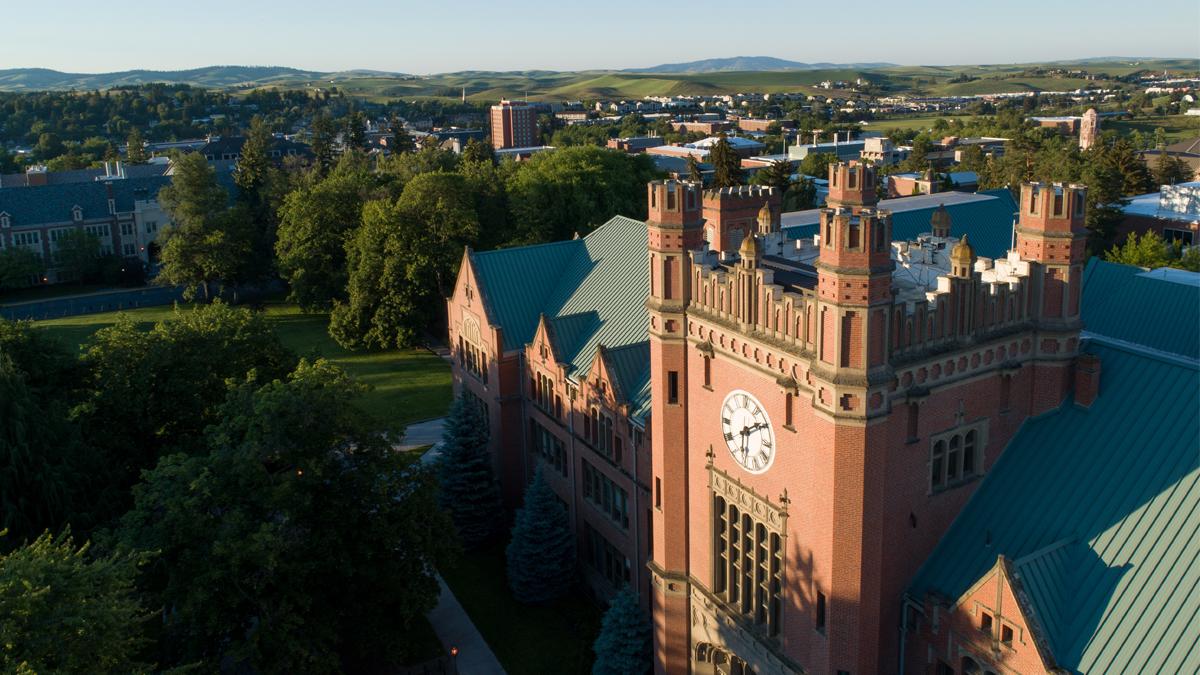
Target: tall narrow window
[
  {"x": 1005, "y": 392},
  {"x": 935, "y": 464},
  {"x": 672, "y": 387},
  {"x": 787, "y": 413},
  {"x": 913, "y": 420},
  {"x": 708, "y": 371},
  {"x": 820, "y": 611},
  {"x": 657, "y": 492},
  {"x": 952, "y": 459},
  {"x": 968, "y": 462},
  {"x": 668, "y": 278}
]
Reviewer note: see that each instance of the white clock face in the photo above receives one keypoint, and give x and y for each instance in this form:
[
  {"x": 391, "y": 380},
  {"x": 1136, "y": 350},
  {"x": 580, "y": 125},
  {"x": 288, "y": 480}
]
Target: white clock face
[{"x": 748, "y": 431}]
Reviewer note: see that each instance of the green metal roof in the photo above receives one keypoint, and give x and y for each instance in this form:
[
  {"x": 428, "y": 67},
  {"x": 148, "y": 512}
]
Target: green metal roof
[
  {"x": 592, "y": 291},
  {"x": 1124, "y": 303},
  {"x": 1100, "y": 511}
]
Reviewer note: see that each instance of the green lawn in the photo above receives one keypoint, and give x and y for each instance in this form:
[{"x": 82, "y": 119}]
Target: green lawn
[
  {"x": 407, "y": 385},
  {"x": 556, "y": 639}
]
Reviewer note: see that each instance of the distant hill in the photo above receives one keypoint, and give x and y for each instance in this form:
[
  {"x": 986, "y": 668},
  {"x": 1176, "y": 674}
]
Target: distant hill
[
  {"x": 41, "y": 79},
  {"x": 748, "y": 64}
]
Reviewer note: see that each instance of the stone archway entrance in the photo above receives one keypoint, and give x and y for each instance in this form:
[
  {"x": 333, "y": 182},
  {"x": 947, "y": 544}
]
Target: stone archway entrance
[{"x": 710, "y": 659}]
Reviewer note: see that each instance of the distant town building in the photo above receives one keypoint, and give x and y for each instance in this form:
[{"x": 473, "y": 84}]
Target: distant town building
[
  {"x": 1089, "y": 129},
  {"x": 514, "y": 125},
  {"x": 635, "y": 144},
  {"x": 1173, "y": 212}
]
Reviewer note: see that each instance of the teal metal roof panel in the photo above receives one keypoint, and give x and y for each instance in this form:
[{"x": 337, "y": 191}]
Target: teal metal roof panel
[
  {"x": 1123, "y": 480},
  {"x": 592, "y": 290},
  {"x": 515, "y": 282},
  {"x": 1120, "y": 302}
]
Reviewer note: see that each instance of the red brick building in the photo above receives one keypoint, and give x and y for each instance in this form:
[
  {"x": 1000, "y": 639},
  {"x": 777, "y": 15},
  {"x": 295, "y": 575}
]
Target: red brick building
[
  {"x": 789, "y": 429},
  {"x": 514, "y": 125}
]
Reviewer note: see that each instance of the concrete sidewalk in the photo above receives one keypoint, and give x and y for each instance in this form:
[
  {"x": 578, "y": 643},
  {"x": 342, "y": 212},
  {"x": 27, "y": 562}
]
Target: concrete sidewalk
[
  {"x": 424, "y": 433},
  {"x": 449, "y": 619},
  {"x": 454, "y": 629}
]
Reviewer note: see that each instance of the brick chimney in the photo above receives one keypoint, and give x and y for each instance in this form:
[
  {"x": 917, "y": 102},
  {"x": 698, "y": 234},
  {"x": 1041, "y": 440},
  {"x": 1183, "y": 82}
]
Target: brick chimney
[{"x": 1087, "y": 379}]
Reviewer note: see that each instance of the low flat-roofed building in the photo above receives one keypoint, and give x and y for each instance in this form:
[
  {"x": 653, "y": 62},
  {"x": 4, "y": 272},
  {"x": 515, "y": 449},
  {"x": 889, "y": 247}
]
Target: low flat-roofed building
[{"x": 1173, "y": 212}]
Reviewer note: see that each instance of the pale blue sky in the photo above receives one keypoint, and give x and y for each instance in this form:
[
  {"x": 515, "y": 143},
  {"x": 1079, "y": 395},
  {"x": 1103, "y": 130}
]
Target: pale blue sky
[{"x": 429, "y": 37}]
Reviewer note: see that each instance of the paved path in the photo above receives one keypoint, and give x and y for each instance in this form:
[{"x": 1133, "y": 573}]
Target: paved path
[
  {"x": 449, "y": 619},
  {"x": 454, "y": 629},
  {"x": 428, "y": 432}
]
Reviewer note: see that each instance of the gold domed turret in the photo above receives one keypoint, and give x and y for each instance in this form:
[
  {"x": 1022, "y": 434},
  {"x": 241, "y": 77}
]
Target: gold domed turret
[
  {"x": 939, "y": 222},
  {"x": 750, "y": 250},
  {"x": 765, "y": 219},
  {"x": 962, "y": 258}
]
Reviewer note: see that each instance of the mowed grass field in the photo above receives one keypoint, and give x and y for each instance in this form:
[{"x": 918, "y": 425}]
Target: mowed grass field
[{"x": 406, "y": 385}]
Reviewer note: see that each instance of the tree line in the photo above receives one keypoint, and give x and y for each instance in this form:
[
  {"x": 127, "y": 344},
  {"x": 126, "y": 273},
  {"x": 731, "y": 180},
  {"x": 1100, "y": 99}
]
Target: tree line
[{"x": 376, "y": 241}]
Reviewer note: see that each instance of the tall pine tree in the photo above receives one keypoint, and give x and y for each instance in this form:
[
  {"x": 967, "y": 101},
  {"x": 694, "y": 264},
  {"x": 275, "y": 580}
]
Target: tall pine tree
[
  {"x": 469, "y": 491},
  {"x": 623, "y": 646},
  {"x": 541, "y": 555},
  {"x": 727, "y": 166}
]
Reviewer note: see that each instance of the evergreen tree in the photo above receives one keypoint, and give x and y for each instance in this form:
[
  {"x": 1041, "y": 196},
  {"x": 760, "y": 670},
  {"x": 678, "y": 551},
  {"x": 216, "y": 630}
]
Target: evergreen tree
[
  {"x": 623, "y": 646},
  {"x": 727, "y": 166},
  {"x": 135, "y": 153},
  {"x": 693, "y": 169},
  {"x": 322, "y": 143},
  {"x": 478, "y": 151},
  {"x": 401, "y": 140},
  {"x": 356, "y": 132},
  {"x": 541, "y": 555},
  {"x": 778, "y": 174},
  {"x": 1169, "y": 169},
  {"x": 469, "y": 491}
]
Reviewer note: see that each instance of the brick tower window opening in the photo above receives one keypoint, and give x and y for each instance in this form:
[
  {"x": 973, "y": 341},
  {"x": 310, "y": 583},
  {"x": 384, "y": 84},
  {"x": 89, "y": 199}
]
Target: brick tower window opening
[
  {"x": 748, "y": 569},
  {"x": 708, "y": 371},
  {"x": 855, "y": 229},
  {"x": 1058, "y": 202},
  {"x": 673, "y": 387}
]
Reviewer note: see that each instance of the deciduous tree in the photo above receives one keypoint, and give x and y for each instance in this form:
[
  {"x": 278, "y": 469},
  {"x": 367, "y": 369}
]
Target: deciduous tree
[
  {"x": 65, "y": 610},
  {"x": 292, "y": 541}
]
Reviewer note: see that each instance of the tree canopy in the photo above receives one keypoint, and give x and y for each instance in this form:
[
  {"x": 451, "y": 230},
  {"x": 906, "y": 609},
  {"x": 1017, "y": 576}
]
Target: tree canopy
[{"x": 240, "y": 522}]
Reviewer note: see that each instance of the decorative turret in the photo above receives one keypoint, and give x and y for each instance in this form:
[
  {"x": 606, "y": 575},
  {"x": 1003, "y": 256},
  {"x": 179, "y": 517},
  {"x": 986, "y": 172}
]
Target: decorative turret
[
  {"x": 962, "y": 259},
  {"x": 851, "y": 185},
  {"x": 1051, "y": 232},
  {"x": 766, "y": 220},
  {"x": 750, "y": 250},
  {"x": 675, "y": 226},
  {"x": 939, "y": 222}
]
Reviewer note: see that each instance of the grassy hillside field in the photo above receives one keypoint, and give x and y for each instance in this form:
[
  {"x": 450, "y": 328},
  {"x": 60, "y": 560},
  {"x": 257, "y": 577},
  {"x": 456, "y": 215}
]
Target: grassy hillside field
[{"x": 557, "y": 86}]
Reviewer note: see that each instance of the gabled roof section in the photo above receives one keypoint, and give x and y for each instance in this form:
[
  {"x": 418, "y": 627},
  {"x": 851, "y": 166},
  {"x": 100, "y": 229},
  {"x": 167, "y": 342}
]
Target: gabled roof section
[
  {"x": 515, "y": 282},
  {"x": 1122, "y": 302},
  {"x": 592, "y": 291},
  {"x": 1101, "y": 507}
]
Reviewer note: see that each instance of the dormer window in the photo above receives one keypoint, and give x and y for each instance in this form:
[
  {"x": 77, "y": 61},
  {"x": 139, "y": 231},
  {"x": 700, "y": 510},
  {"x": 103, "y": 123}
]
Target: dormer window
[
  {"x": 76, "y": 213},
  {"x": 5, "y": 221},
  {"x": 112, "y": 207}
]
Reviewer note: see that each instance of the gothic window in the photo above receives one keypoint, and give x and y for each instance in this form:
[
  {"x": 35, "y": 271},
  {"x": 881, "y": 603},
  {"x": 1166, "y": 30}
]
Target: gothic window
[
  {"x": 748, "y": 570},
  {"x": 955, "y": 456}
]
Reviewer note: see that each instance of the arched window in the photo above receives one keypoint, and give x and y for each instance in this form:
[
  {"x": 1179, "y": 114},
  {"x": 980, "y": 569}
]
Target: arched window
[
  {"x": 936, "y": 462},
  {"x": 953, "y": 457},
  {"x": 968, "y": 463}
]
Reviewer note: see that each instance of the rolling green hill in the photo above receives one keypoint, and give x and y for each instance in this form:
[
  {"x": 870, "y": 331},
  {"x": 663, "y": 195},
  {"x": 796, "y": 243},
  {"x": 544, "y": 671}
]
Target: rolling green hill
[{"x": 552, "y": 85}]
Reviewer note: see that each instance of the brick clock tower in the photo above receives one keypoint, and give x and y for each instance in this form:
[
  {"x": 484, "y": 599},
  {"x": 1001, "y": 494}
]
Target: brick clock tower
[
  {"x": 815, "y": 429},
  {"x": 675, "y": 226}
]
